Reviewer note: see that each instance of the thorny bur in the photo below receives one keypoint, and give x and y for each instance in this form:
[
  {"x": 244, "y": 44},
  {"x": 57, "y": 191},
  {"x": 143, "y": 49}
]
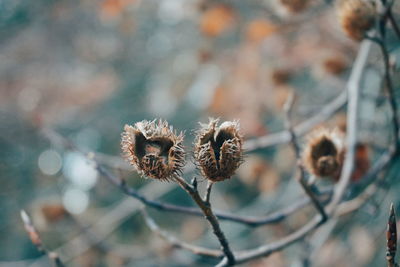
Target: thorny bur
[
  {"x": 218, "y": 149},
  {"x": 356, "y": 17},
  {"x": 154, "y": 149}
]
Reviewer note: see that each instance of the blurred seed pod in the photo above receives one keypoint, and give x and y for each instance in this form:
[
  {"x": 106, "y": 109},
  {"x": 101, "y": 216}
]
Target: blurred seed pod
[
  {"x": 218, "y": 149},
  {"x": 291, "y": 6},
  {"x": 356, "y": 17},
  {"x": 154, "y": 149},
  {"x": 324, "y": 152},
  {"x": 53, "y": 212},
  {"x": 280, "y": 76}
]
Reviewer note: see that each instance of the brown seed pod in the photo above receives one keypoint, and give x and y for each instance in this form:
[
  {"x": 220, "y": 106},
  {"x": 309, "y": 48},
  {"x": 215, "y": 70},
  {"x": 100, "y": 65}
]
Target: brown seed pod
[
  {"x": 154, "y": 149},
  {"x": 53, "y": 212},
  {"x": 356, "y": 17},
  {"x": 218, "y": 149},
  {"x": 324, "y": 152},
  {"x": 294, "y": 6}
]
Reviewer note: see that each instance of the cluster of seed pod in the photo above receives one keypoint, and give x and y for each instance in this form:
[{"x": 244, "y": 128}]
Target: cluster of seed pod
[{"x": 156, "y": 150}]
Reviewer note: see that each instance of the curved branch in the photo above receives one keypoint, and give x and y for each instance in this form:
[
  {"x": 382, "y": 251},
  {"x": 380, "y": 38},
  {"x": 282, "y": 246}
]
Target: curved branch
[
  {"x": 302, "y": 128},
  {"x": 178, "y": 243},
  {"x": 252, "y": 221},
  {"x": 208, "y": 213}
]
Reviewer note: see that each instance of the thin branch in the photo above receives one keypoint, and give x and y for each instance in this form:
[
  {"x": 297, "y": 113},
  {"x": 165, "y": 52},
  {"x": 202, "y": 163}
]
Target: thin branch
[
  {"x": 35, "y": 238},
  {"x": 390, "y": 90},
  {"x": 208, "y": 192},
  {"x": 352, "y": 123},
  {"x": 266, "y": 250},
  {"x": 178, "y": 243},
  {"x": 211, "y": 218},
  {"x": 340, "y": 189},
  {"x": 253, "y": 221},
  {"x": 354, "y": 88},
  {"x": 394, "y": 23},
  {"x": 107, "y": 224},
  {"x": 302, "y": 128},
  {"x": 301, "y": 177},
  {"x": 344, "y": 208}
]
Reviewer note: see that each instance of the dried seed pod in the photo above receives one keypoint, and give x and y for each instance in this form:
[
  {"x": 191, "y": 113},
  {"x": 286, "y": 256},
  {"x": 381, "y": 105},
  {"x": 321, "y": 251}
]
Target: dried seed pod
[
  {"x": 154, "y": 149},
  {"x": 294, "y": 6},
  {"x": 324, "y": 152},
  {"x": 356, "y": 17},
  {"x": 218, "y": 149}
]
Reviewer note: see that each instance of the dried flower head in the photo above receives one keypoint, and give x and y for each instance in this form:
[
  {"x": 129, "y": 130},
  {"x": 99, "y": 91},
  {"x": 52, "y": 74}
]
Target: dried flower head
[
  {"x": 154, "y": 149},
  {"x": 218, "y": 149},
  {"x": 356, "y": 17},
  {"x": 324, "y": 152}
]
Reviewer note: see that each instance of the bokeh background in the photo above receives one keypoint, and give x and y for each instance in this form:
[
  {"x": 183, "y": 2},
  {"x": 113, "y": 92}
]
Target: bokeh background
[{"x": 85, "y": 68}]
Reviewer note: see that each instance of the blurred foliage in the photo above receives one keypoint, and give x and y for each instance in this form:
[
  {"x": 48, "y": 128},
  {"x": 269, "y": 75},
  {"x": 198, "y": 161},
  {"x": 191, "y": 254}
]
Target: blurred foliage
[{"x": 86, "y": 68}]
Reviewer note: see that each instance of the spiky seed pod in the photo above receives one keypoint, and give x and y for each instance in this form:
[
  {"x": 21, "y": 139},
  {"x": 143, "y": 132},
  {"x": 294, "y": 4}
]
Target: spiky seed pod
[
  {"x": 154, "y": 149},
  {"x": 356, "y": 17},
  {"x": 324, "y": 152},
  {"x": 218, "y": 149}
]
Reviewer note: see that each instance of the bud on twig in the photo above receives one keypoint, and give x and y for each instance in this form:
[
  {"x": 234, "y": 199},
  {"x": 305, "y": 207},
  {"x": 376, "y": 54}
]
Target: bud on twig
[
  {"x": 391, "y": 237},
  {"x": 154, "y": 149},
  {"x": 30, "y": 229},
  {"x": 218, "y": 149},
  {"x": 36, "y": 241}
]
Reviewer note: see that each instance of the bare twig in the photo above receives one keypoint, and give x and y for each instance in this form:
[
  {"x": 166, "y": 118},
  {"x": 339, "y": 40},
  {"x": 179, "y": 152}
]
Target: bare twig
[
  {"x": 389, "y": 87},
  {"x": 211, "y": 218},
  {"x": 301, "y": 177},
  {"x": 302, "y": 128},
  {"x": 252, "y": 221},
  {"x": 394, "y": 23},
  {"x": 266, "y": 250},
  {"x": 340, "y": 189},
  {"x": 208, "y": 192},
  {"x": 391, "y": 237},
  {"x": 35, "y": 238},
  {"x": 343, "y": 209},
  {"x": 352, "y": 115},
  {"x": 178, "y": 243}
]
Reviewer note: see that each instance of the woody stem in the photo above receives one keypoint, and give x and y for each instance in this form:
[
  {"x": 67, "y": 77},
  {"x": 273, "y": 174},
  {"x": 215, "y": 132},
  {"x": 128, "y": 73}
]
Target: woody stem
[{"x": 205, "y": 207}]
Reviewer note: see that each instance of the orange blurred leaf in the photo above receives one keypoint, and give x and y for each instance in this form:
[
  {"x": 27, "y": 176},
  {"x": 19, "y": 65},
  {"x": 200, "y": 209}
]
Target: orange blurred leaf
[{"x": 216, "y": 20}]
